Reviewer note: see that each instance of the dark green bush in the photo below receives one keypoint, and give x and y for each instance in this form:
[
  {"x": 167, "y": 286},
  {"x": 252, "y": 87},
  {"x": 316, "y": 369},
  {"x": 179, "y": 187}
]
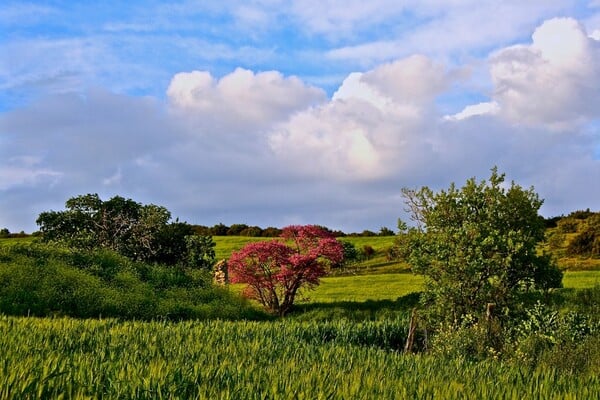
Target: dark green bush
[{"x": 40, "y": 280}]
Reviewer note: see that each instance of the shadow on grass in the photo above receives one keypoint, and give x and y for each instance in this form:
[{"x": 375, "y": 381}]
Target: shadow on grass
[{"x": 355, "y": 310}]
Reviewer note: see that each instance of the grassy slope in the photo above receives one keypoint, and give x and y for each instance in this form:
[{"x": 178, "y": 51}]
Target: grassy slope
[{"x": 378, "y": 263}]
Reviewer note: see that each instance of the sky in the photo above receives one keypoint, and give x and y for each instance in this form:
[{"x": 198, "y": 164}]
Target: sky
[{"x": 273, "y": 112}]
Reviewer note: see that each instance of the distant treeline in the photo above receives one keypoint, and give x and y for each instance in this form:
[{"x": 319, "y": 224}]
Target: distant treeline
[
  {"x": 5, "y": 234},
  {"x": 233, "y": 230},
  {"x": 221, "y": 229}
]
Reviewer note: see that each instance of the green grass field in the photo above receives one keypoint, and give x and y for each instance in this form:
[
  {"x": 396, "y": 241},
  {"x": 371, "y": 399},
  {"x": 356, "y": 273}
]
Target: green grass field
[
  {"x": 378, "y": 263},
  {"x": 365, "y": 287},
  {"x": 581, "y": 279},
  {"x": 343, "y": 342}
]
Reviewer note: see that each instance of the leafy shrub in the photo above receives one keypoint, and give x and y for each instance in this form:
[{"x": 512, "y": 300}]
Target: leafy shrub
[
  {"x": 587, "y": 242},
  {"x": 367, "y": 251},
  {"x": 544, "y": 330},
  {"x": 471, "y": 340},
  {"x": 41, "y": 280},
  {"x": 350, "y": 252},
  {"x": 568, "y": 225},
  {"x": 556, "y": 240}
]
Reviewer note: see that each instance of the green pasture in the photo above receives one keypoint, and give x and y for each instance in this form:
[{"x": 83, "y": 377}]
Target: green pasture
[
  {"x": 225, "y": 245},
  {"x": 391, "y": 286},
  {"x": 365, "y": 287},
  {"x": 581, "y": 279}
]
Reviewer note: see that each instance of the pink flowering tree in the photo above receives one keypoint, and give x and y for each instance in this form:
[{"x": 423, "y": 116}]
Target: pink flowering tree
[{"x": 274, "y": 271}]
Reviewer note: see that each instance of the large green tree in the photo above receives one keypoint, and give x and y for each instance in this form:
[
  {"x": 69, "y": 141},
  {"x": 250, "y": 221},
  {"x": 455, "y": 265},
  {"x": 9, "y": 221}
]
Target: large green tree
[
  {"x": 137, "y": 231},
  {"x": 476, "y": 245}
]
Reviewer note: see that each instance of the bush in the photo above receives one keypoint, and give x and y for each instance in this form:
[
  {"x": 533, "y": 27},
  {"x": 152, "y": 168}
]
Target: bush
[
  {"x": 476, "y": 245},
  {"x": 556, "y": 240},
  {"x": 568, "y": 225},
  {"x": 471, "y": 340},
  {"x": 350, "y": 252},
  {"x": 587, "y": 242},
  {"x": 544, "y": 333},
  {"x": 367, "y": 251},
  {"x": 40, "y": 280}
]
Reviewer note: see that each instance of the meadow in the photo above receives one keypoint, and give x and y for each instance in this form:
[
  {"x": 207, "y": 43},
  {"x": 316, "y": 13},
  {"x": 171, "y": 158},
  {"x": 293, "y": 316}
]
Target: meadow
[{"x": 343, "y": 341}]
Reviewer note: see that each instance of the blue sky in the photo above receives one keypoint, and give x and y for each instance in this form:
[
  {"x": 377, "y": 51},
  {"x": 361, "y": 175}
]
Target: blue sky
[{"x": 276, "y": 112}]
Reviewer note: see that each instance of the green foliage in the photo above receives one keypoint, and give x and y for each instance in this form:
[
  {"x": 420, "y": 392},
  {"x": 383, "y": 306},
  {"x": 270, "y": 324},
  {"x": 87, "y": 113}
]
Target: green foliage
[
  {"x": 581, "y": 214},
  {"x": 367, "y": 251},
  {"x": 200, "y": 252},
  {"x": 587, "y": 241},
  {"x": 403, "y": 245},
  {"x": 556, "y": 240},
  {"x": 477, "y": 246},
  {"x": 568, "y": 225},
  {"x": 385, "y": 231},
  {"x": 543, "y": 330},
  {"x": 139, "y": 232},
  {"x": 472, "y": 340},
  {"x": 350, "y": 252},
  {"x": 42, "y": 280}
]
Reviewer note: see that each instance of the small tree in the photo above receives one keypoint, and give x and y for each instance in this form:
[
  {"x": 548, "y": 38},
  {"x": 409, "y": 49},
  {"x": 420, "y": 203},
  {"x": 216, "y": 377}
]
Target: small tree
[
  {"x": 276, "y": 270},
  {"x": 477, "y": 245}
]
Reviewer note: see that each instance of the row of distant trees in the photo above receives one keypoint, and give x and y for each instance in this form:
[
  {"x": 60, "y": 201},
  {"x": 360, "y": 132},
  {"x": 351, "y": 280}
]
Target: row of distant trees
[
  {"x": 5, "y": 233},
  {"x": 221, "y": 229}
]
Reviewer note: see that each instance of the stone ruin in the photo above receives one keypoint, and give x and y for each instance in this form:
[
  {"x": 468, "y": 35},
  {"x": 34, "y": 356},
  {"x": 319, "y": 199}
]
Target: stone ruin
[{"x": 220, "y": 275}]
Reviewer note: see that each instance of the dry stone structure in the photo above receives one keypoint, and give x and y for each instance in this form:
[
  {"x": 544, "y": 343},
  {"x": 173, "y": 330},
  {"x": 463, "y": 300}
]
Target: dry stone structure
[{"x": 221, "y": 276}]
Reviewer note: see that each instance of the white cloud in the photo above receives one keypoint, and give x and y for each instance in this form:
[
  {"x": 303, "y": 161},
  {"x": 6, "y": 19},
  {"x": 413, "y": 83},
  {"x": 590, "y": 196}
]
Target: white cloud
[
  {"x": 14, "y": 176},
  {"x": 485, "y": 108},
  {"x": 373, "y": 118},
  {"x": 114, "y": 179},
  {"x": 554, "y": 82},
  {"x": 240, "y": 100},
  {"x": 441, "y": 29}
]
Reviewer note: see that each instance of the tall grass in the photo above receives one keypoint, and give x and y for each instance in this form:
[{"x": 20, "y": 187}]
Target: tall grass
[{"x": 50, "y": 358}]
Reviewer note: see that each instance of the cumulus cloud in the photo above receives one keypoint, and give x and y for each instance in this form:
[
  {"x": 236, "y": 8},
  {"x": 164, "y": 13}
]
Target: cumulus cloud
[
  {"x": 374, "y": 118},
  {"x": 554, "y": 81},
  {"x": 242, "y": 99}
]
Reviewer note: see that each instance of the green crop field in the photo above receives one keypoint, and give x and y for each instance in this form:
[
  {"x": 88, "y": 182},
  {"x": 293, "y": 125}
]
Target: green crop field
[{"x": 66, "y": 358}]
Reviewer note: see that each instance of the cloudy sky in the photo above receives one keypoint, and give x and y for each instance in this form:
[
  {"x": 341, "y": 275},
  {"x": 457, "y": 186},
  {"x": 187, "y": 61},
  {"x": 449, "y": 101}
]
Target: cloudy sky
[{"x": 272, "y": 112}]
